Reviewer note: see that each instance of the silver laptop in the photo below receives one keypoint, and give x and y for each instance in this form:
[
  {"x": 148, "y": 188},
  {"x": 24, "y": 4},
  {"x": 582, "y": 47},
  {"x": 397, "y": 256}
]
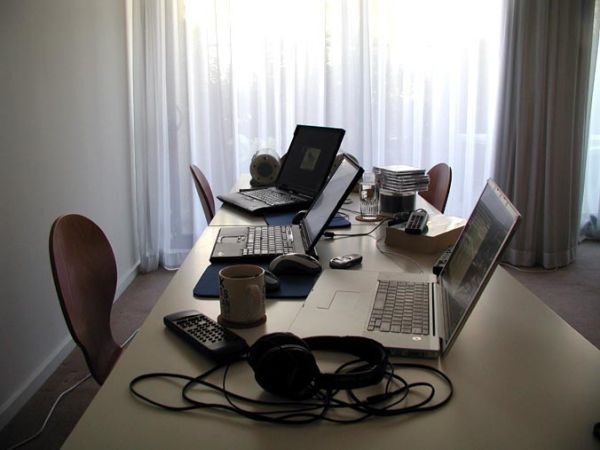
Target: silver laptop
[
  {"x": 241, "y": 244},
  {"x": 415, "y": 315}
]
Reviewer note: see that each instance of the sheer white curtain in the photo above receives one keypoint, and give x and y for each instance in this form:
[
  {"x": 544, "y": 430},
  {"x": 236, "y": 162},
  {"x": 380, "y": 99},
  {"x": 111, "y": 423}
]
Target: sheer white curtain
[
  {"x": 160, "y": 126},
  {"x": 590, "y": 210},
  {"x": 410, "y": 82}
]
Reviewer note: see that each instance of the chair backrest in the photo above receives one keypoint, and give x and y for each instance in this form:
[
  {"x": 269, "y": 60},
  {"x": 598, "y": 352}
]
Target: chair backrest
[
  {"x": 440, "y": 179},
  {"x": 204, "y": 192},
  {"x": 85, "y": 276}
]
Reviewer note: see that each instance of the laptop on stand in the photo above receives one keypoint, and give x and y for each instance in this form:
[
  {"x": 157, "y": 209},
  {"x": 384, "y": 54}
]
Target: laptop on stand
[
  {"x": 303, "y": 173},
  {"x": 263, "y": 243},
  {"x": 414, "y": 315}
]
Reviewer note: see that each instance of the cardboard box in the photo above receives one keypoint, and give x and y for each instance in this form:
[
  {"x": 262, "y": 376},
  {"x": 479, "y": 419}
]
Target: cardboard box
[{"x": 443, "y": 231}]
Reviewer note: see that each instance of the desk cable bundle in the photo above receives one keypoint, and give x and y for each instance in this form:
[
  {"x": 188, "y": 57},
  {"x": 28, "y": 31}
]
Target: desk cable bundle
[
  {"x": 332, "y": 235},
  {"x": 284, "y": 365},
  {"x": 389, "y": 221}
]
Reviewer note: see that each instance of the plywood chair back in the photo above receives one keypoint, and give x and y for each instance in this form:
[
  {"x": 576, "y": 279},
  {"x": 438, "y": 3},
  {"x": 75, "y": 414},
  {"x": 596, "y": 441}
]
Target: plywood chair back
[
  {"x": 85, "y": 276},
  {"x": 440, "y": 179},
  {"x": 204, "y": 192}
]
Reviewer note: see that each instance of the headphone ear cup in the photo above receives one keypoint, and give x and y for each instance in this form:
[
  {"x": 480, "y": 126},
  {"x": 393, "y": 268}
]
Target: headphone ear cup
[
  {"x": 284, "y": 365},
  {"x": 267, "y": 342}
]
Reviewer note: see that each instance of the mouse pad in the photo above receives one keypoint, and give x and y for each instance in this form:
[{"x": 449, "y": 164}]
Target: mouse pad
[
  {"x": 285, "y": 218},
  {"x": 290, "y": 286}
]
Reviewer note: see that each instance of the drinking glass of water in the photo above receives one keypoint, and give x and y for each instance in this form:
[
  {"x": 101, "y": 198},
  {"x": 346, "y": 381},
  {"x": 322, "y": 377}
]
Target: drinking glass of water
[{"x": 369, "y": 197}]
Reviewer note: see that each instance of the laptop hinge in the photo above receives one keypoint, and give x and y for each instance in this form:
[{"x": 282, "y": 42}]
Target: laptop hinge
[
  {"x": 305, "y": 243},
  {"x": 445, "y": 316},
  {"x": 433, "y": 310},
  {"x": 304, "y": 235},
  {"x": 289, "y": 190}
]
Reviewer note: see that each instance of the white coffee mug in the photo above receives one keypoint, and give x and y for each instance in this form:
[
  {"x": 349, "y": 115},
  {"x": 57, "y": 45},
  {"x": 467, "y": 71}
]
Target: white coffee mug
[{"x": 242, "y": 296}]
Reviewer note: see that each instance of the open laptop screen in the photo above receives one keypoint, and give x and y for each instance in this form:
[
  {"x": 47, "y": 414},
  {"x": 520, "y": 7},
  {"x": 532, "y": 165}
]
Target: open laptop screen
[
  {"x": 476, "y": 253},
  {"x": 328, "y": 201},
  {"x": 309, "y": 158}
]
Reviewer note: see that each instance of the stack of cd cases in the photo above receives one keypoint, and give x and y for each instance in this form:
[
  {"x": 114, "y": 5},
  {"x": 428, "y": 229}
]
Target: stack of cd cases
[
  {"x": 398, "y": 186},
  {"x": 401, "y": 179}
]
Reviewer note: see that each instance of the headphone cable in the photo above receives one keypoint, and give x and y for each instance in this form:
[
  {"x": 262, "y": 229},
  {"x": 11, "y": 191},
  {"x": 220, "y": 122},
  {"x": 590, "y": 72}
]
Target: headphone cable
[{"x": 313, "y": 409}]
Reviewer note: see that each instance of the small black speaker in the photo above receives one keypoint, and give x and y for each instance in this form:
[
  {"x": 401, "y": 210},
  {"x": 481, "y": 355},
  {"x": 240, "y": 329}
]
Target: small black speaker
[{"x": 264, "y": 167}]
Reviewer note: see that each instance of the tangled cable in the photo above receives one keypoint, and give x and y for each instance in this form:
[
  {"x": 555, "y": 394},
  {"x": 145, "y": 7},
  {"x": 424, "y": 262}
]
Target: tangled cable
[{"x": 399, "y": 396}]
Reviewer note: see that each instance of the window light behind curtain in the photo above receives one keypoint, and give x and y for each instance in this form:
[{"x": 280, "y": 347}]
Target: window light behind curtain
[
  {"x": 410, "y": 82},
  {"x": 591, "y": 195}
]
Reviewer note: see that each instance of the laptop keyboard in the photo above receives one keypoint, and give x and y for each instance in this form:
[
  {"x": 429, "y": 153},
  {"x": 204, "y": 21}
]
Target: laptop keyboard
[
  {"x": 269, "y": 240},
  {"x": 401, "y": 307},
  {"x": 272, "y": 197}
]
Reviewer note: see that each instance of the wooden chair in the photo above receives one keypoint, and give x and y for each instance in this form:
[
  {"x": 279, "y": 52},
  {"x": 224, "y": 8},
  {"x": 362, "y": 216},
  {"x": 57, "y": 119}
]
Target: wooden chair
[
  {"x": 204, "y": 192},
  {"x": 85, "y": 276},
  {"x": 440, "y": 179}
]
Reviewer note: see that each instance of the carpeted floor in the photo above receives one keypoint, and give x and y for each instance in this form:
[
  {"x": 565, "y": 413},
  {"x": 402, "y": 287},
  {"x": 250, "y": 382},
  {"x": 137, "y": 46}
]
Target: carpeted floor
[
  {"x": 128, "y": 313},
  {"x": 572, "y": 292}
]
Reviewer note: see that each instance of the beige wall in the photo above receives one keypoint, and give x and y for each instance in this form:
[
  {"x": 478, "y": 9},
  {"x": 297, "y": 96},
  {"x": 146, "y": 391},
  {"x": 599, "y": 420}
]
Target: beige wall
[{"x": 64, "y": 148}]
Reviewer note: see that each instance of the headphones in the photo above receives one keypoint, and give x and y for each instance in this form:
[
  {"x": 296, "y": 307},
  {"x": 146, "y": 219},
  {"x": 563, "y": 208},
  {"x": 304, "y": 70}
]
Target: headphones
[{"x": 284, "y": 364}]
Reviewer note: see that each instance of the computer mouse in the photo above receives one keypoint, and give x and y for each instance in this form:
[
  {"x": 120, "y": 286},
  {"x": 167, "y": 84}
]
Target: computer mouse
[
  {"x": 271, "y": 281},
  {"x": 295, "y": 263}
]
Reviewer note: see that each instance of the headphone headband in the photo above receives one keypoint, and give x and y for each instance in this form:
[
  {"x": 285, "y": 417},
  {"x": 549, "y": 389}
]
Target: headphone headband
[
  {"x": 284, "y": 364},
  {"x": 366, "y": 349}
]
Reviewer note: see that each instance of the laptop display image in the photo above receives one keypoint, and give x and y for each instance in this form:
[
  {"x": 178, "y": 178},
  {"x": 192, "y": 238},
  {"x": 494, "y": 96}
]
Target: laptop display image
[
  {"x": 418, "y": 314},
  {"x": 303, "y": 173},
  {"x": 266, "y": 242}
]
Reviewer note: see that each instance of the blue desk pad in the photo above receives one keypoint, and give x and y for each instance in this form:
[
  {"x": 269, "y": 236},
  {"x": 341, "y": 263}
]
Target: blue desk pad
[
  {"x": 285, "y": 218},
  {"x": 291, "y": 286}
]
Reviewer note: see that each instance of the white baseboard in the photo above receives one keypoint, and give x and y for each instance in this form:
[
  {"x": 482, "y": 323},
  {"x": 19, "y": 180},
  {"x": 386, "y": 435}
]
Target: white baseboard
[
  {"x": 126, "y": 280},
  {"x": 30, "y": 386}
]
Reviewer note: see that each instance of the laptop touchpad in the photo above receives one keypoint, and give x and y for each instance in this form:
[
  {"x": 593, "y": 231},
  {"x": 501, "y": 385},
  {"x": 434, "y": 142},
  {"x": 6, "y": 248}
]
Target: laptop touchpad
[
  {"x": 231, "y": 239},
  {"x": 339, "y": 300}
]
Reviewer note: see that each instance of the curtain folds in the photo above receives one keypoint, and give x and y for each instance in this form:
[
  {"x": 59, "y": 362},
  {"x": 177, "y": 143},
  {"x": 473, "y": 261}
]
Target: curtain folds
[
  {"x": 542, "y": 125},
  {"x": 161, "y": 136},
  {"x": 216, "y": 80},
  {"x": 590, "y": 208}
]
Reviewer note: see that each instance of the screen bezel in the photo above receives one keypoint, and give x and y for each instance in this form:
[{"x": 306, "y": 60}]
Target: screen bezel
[
  {"x": 303, "y": 223},
  {"x": 309, "y": 135},
  {"x": 449, "y": 337}
]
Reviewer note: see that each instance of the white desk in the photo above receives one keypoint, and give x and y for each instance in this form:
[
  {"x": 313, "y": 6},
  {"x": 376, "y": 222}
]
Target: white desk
[{"x": 523, "y": 379}]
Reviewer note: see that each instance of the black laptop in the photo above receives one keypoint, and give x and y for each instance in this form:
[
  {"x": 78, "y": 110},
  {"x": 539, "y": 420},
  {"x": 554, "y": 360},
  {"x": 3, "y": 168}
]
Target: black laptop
[
  {"x": 239, "y": 244},
  {"x": 302, "y": 175}
]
